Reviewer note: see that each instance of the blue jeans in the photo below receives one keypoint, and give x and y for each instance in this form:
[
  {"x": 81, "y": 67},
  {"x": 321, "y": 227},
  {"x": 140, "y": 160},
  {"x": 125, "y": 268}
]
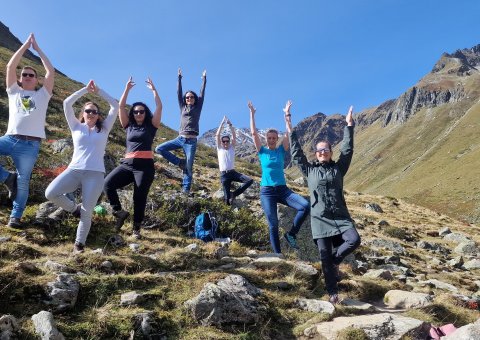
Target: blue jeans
[
  {"x": 345, "y": 244},
  {"x": 24, "y": 155},
  {"x": 233, "y": 176},
  {"x": 189, "y": 146},
  {"x": 269, "y": 198}
]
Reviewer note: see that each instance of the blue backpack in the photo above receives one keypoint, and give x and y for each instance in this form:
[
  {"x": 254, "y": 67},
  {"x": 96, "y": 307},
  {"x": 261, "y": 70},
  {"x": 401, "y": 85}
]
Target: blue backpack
[{"x": 206, "y": 227}]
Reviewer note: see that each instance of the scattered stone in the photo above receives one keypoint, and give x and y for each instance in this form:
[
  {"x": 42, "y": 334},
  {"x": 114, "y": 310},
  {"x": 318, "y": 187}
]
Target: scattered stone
[
  {"x": 57, "y": 267},
  {"x": 98, "y": 251},
  {"x": 44, "y": 209},
  {"x": 440, "y": 285},
  {"x": 8, "y": 327},
  {"x": 360, "y": 305},
  {"x": 63, "y": 292},
  {"x": 131, "y": 298},
  {"x": 456, "y": 262},
  {"x": 396, "y": 269},
  {"x": 231, "y": 300},
  {"x": 252, "y": 253},
  {"x": 403, "y": 299},
  {"x": 383, "y": 223},
  {"x": 387, "y": 244},
  {"x": 134, "y": 247},
  {"x": 444, "y": 231},
  {"x": 316, "y": 306},
  {"x": 305, "y": 270},
  {"x": 401, "y": 278},
  {"x": 45, "y": 326},
  {"x": 470, "y": 331},
  {"x": 116, "y": 241},
  {"x": 146, "y": 326},
  {"x": 374, "y": 207},
  {"x": 193, "y": 248},
  {"x": 106, "y": 265},
  {"x": 379, "y": 274},
  {"x": 237, "y": 260},
  {"x": 457, "y": 237},
  {"x": 61, "y": 145},
  {"x": 269, "y": 262},
  {"x": 466, "y": 248},
  {"x": 227, "y": 266},
  {"x": 472, "y": 264},
  {"x": 4, "y": 239},
  {"x": 221, "y": 251},
  {"x": 376, "y": 326}
]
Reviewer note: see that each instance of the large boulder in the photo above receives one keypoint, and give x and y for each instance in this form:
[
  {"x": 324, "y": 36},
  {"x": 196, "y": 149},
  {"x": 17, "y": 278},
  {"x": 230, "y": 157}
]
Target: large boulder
[
  {"x": 230, "y": 300},
  {"x": 45, "y": 326},
  {"x": 403, "y": 299},
  {"x": 63, "y": 292}
]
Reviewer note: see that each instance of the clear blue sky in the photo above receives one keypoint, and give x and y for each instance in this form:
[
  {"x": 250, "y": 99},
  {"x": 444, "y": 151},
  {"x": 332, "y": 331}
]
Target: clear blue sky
[{"x": 324, "y": 55}]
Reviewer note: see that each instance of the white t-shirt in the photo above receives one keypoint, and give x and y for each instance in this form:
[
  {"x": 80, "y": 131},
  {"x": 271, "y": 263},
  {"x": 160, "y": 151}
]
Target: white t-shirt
[
  {"x": 226, "y": 158},
  {"x": 88, "y": 144},
  {"x": 27, "y": 111}
]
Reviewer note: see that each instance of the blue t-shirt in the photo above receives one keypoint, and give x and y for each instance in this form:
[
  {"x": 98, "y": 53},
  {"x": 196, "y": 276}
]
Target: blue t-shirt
[{"x": 272, "y": 162}]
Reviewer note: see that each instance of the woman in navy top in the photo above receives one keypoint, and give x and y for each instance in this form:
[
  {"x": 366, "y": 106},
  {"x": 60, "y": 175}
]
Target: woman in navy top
[
  {"x": 273, "y": 188},
  {"x": 137, "y": 166}
]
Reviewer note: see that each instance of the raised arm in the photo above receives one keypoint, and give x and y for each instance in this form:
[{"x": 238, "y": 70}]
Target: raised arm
[
  {"x": 112, "y": 113},
  {"x": 179, "y": 89},
  {"x": 68, "y": 105},
  {"x": 123, "y": 114},
  {"x": 219, "y": 132},
  {"x": 11, "y": 76},
  {"x": 50, "y": 70},
  {"x": 232, "y": 131},
  {"x": 287, "y": 116},
  {"x": 346, "y": 150},
  {"x": 157, "y": 114},
  {"x": 253, "y": 128},
  {"x": 202, "y": 88}
]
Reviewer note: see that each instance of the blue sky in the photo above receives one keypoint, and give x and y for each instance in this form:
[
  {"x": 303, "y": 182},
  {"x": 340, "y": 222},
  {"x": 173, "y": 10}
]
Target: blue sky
[{"x": 323, "y": 55}]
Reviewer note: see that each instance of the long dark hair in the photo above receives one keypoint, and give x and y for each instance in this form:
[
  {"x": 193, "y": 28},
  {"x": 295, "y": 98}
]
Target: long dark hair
[
  {"x": 194, "y": 94},
  {"x": 148, "y": 114},
  {"x": 99, "y": 122}
]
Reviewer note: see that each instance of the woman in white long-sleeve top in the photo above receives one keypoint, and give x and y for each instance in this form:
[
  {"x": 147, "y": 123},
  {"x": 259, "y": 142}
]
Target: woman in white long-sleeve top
[{"x": 86, "y": 170}]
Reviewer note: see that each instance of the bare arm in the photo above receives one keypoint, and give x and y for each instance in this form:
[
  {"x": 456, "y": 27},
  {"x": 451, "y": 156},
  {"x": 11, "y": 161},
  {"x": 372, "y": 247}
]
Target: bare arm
[
  {"x": 253, "y": 128},
  {"x": 50, "y": 70},
  {"x": 219, "y": 131},
  {"x": 157, "y": 115},
  {"x": 123, "y": 115},
  {"x": 288, "y": 123},
  {"x": 11, "y": 77}
]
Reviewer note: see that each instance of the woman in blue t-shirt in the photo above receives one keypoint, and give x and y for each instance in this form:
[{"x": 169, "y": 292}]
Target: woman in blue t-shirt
[
  {"x": 273, "y": 188},
  {"x": 137, "y": 166}
]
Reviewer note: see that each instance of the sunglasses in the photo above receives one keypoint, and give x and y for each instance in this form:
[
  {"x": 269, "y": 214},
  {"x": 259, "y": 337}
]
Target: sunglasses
[
  {"x": 91, "y": 111},
  {"x": 323, "y": 150},
  {"x": 31, "y": 75},
  {"x": 189, "y": 97},
  {"x": 138, "y": 112},
  {"x": 225, "y": 141}
]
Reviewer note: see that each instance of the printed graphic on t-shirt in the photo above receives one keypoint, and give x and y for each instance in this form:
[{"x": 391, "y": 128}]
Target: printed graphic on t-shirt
[{"x": 26, "y": 104}]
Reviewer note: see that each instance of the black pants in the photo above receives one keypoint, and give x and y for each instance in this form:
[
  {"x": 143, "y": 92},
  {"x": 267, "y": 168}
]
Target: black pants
[
  {"x": 138, "y": 171},
  {"x": 233, "y": 176},
  {"x": 345, "y": 243}
]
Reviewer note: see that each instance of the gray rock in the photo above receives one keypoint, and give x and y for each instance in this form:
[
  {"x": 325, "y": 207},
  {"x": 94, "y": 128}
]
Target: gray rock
[
  {"x": 403, "y": 299},
  {"x": 374, "y": 207},
  {"x": 383, "y": 223},
  {"x": 466, "y": 248},
  {"x": 61, "y": 145},
  {"x": 44, "y": 210},
  {"x": 45, "y": 326},
  {"x": 456, "y": 262},
  {"x": 63, "y": 292},
  {"x": 383, "y": 326},
  {"x": 193, "y": 248},
  {"x": 230, "y": 300},
  {"x": 379, "y": 274},
  {"x": 389, "y": 245},
  {"x": 269, "y": 262},
  {"x": 145, "y": 325},
  {"x": 360, "y": 305},
  {"x": 57, "y": 267},
  {"x": 444, "y": 231},
  {"x": 107, "y": 265},
  {"x": 221, "y": 251},
  {"x": 472, "y": 264},
  {"x": 4, "y": 239},
  {"x": 8, "y": 326},
  {"x": 456, "y": 237},
  {"x": 131, "y": 298},
  {"x": 396, "y": 269},
  {"x": 440, "y": 285},
  {"x": 470, "y": 331},
  {"x": 134, "y": 247},
  {"x": 116, "y": 241},
  {"x": 316, "y": 306},
  {"x": 305, "y": 270}
]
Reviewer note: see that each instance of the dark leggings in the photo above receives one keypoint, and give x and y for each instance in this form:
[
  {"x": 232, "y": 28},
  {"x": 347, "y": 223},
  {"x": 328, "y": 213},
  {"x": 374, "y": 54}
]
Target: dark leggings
[
  {"x": 347, "y": 242},
  {"x": 140, "y": 172}
]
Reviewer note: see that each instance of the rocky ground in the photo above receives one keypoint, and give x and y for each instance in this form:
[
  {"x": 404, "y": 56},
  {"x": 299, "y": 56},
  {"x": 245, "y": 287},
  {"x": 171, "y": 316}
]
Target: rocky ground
[{"x": 415, "y": 268}]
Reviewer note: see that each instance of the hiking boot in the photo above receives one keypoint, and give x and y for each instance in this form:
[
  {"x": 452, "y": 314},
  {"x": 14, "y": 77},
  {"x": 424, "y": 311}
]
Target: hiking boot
[
  {"x": 291, "y": 240},
  {"x": 11, "y": 184},
  {"x": 334, "y": 299},
  {"x": 57, "y": 215},
  {"x": 136, "y": 231},
  {"x": 14, "y": 222},
  {"x": 78, "y": 248},
  {"x": 77, "y": 211},
  {"x": 121, "y": 216}
]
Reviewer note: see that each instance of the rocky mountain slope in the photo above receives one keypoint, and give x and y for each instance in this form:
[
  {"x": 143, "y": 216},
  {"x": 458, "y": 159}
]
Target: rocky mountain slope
[{"x": 416, "y": 267}]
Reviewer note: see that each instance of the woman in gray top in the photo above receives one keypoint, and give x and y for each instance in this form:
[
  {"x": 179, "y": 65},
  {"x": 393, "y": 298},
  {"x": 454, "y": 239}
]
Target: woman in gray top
[
  {"x": 190, "y": 109},
  {"x": 332, "y": 226}
]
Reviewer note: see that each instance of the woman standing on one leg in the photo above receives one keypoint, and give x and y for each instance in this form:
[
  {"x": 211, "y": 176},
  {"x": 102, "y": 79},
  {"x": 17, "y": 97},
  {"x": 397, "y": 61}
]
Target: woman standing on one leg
[
  {"x": 86, "y": 170},
  {"x": 330, "y": 220},
  {"x": 273, "y": 188},
  {"x": 137, "y": 166},
  {"x": 190, "y": 110}
]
